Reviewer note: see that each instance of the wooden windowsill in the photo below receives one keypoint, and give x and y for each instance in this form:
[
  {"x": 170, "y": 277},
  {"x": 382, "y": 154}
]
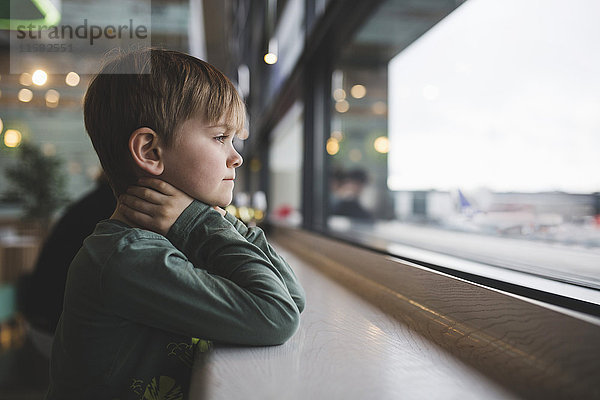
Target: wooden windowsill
[{"x": 378, "y": 328}]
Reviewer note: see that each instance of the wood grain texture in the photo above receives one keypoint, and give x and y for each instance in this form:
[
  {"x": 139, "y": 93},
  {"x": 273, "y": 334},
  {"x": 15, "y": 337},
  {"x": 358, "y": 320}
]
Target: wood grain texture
[
  {"x": 345, "y": 348},
  {"x": 532, "y": 350}
]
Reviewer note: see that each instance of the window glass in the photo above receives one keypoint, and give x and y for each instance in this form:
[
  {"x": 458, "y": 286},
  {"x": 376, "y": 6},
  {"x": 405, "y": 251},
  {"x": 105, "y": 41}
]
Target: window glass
[
  {"x": 285, "y": 43},
  {"x": 285, "y": 168},
  {"x": 475, "y": 136}
]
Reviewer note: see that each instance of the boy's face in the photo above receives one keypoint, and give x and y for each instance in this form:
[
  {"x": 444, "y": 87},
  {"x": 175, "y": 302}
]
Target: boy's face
[{"x": 202, "y": 162}]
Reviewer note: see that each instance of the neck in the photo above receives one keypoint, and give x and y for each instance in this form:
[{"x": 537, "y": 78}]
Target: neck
[{"x": 117, "y": 215}]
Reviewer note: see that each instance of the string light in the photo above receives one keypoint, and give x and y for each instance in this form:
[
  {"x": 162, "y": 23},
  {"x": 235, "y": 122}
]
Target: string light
[
  {"x": 39, "y": 77},
  {"x": 52, "y": 97},
  {"x": 12, "y": 138},
  {"x": 72, "y": 79},
  {"x": 25, "y": 95}
]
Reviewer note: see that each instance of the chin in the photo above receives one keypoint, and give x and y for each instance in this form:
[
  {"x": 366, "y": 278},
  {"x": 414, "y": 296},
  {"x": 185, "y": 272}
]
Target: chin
[{"x": 224, "y": 202}]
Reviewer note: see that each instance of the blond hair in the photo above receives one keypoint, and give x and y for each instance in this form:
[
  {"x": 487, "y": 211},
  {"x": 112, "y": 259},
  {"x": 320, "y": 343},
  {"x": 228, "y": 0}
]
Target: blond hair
[{"x": 166, "y": 89}]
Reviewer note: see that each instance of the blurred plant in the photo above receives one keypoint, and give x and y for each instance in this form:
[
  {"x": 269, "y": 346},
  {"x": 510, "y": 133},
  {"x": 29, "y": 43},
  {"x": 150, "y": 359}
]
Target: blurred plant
[{"x": 38, "y": 181}]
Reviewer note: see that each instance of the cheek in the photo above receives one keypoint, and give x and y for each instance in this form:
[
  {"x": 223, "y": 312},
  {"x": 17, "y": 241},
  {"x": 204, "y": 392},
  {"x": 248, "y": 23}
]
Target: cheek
[{"x": 202, "y": 175}]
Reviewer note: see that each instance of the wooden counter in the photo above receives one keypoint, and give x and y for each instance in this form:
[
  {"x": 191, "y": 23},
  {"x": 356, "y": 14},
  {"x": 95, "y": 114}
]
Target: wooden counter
[{"x": 345, "y": 348}]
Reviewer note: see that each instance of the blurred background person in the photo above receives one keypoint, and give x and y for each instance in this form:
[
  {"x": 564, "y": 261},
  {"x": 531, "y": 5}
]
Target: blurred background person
[
  {"x": 40, "y": 294},
  {"x": 347, "y": 187}
]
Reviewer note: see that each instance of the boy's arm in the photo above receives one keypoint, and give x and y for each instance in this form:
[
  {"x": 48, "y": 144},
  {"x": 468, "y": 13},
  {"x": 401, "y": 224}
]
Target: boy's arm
[
  {"x": 155, "y": 205},
  {"x": 256, "y": 236},
  {"x": 150, "y": 282},
  {"x": 240, "y": 298}
]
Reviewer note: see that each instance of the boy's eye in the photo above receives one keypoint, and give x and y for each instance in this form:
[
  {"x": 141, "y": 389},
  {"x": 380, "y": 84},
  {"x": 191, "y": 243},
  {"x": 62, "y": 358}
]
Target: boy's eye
[{"x": 222, "y": 138}]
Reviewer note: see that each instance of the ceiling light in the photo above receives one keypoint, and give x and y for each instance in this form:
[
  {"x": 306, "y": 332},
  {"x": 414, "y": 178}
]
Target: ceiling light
[
  {"x": 270, "y": 58},
  {"x": 358, "y": 91}
]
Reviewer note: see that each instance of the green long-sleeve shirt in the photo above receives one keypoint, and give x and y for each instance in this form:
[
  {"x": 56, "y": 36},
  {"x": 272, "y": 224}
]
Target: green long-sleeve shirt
[{"x": 135, "y": 299}]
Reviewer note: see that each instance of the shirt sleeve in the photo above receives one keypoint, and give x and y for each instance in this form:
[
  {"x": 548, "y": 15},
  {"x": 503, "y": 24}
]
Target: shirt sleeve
[
  {"x": 256, "y": 236},
  {"x": 237, "y": 296}
]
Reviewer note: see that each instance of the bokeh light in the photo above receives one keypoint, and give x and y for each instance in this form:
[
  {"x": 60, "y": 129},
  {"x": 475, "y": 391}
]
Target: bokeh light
[
  {"x": 52, "y": 97},
  {"x": 72, "y": 79},
  {"x": 358, "y": 91},
  {"x": 338, "y": 135},
  {"x": 270, "y": 58},
  {"x": 342, "y": 106},
  {"x": 382, "y": 145},
  {"x": 25, "y": 95},
  {"x": 39, "y": 77},
  {"x": 379, "y": 108},
  {"x": 12, "y": 138},
  {"x": 339, "y": 94},
  {"x": 25, "y": 79},
  {"x": 333, "y": 146}
]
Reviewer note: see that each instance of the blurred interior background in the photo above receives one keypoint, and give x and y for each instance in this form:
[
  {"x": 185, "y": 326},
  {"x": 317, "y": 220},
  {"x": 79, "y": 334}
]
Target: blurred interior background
[{"x": 423, "y": 129}]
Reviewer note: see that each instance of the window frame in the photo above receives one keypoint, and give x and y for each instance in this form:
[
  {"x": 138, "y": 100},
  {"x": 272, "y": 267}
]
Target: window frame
[{"x": 310, "y": 81}]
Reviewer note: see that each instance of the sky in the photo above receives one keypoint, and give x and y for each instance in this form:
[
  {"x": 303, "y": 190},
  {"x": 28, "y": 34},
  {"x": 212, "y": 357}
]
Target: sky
[{"x": 502, "y": 95}]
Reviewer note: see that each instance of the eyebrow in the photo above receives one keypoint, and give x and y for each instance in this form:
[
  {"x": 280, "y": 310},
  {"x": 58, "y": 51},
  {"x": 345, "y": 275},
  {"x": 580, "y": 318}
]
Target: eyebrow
[
  {"x": 222, "y": 126},
  {"x": 230, "y": 129}
]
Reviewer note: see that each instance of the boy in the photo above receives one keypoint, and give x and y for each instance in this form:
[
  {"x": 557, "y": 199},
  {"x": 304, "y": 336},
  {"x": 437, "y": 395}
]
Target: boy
[{"x": 170, "y": 265}]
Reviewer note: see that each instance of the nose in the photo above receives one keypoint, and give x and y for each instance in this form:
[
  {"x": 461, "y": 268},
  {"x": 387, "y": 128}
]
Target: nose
[{"x": 235, "y": 159}]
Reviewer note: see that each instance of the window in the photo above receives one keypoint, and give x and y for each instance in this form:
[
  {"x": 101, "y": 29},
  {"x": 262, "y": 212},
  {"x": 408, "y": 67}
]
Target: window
[
  {"x": 285, "y": 168},
  {"x": 472, "y": 137}
]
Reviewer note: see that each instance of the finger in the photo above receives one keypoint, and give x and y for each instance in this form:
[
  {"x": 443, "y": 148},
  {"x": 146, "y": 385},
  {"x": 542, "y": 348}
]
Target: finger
[
  {"x": 147, "y": 194},
  {"x": 138, "y": 218},
  {"x": 138, "y": 204},
  {"x": 220, "y": 210},
  {"x": 159, "y": 185}
]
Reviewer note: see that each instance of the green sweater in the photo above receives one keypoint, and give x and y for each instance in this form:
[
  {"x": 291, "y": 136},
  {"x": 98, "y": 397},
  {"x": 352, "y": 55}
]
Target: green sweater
[{"x": 135, "y": 300}]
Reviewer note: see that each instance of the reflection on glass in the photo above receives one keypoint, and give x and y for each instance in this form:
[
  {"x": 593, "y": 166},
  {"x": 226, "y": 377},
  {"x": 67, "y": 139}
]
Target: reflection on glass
[
  {"x": 476, "y": 140},
  {"x": 285, "y": 168}
]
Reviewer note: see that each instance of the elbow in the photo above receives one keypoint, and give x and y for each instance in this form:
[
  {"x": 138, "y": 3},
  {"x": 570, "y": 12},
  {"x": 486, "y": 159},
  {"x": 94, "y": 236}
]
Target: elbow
[
  {"x": 285, "y": 327},
  {"x": 290, "y": 327},
  {"x": 300, "y": 300}
]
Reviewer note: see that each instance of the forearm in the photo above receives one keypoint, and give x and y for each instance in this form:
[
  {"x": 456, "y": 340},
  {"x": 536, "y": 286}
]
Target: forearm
[
  {"x": 213, "y": 284},
  {"x": 256, "y": 236},
  {"x": 152, "y": 283},
  {"x": 212, "y": 243}
]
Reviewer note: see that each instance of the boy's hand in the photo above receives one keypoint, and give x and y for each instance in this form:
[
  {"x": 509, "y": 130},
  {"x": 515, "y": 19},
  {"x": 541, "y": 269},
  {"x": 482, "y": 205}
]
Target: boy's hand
[
  {"x": 153, "y": 204},
  {"x": 220, "y": 210}
]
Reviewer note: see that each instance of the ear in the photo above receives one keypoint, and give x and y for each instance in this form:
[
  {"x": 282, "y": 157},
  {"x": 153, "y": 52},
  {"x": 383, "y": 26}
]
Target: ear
[{"x": 146, "y": 151}]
